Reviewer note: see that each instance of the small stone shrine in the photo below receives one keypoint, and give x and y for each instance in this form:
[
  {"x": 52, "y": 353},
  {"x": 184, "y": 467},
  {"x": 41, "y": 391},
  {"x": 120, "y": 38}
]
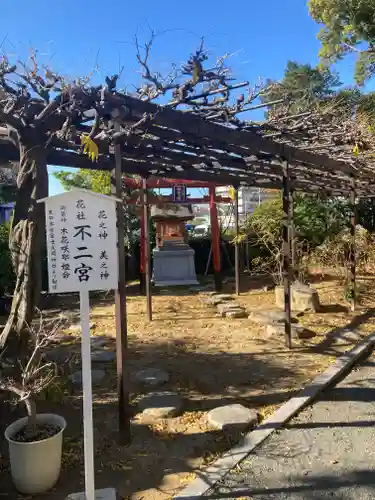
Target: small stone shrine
[{"x": 173, "y": 257}]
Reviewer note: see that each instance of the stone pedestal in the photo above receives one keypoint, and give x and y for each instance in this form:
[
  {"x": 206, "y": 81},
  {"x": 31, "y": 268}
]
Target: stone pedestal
[
  {"x": 174, "y": 265},
  {"x": 303, "y": 298}
]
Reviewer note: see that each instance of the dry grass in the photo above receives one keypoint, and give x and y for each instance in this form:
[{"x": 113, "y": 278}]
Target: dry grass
[{"x": 211, "y": 361}]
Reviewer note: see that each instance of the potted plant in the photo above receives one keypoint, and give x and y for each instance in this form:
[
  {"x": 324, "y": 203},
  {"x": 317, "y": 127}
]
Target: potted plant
[{"x": 35, "y": 441}]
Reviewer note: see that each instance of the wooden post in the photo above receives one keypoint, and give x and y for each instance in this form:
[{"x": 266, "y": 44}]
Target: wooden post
[
  {"x": 352, "y": 255},
  {"x": 292, "y": 235},
  {"x": 120, "y": 306},
  {"x": 215, "y": 235},
  {"x": 146, "y": 219},
  {"x": 286, "y": 254},
  {"x": 236, "y": 248},
  {"x": 142, "y": 259}
]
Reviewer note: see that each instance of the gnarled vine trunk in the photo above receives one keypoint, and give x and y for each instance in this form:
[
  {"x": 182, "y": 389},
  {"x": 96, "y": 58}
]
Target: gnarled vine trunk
[{"x": 26, "y": 239}]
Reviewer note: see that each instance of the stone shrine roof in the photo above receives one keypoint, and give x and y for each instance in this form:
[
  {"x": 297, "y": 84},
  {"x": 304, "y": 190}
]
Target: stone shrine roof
[{"x": 172, "y": 212}]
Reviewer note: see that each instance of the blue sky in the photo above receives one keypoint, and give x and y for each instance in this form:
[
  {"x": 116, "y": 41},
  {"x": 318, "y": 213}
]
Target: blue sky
[{"x": 74, "y": 37}]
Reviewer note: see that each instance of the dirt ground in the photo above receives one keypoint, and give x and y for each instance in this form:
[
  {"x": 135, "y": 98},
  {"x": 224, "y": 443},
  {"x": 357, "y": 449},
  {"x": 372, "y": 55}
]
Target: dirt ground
[{"x": 211, "y": 361}]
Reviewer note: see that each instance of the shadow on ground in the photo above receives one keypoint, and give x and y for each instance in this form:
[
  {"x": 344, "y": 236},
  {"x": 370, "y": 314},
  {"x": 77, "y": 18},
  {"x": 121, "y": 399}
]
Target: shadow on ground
[
  {"x": 161, "y": 450},
  {"x": 313, "y": 487}
]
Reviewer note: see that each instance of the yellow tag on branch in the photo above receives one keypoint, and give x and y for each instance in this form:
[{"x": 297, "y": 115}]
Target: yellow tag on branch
[
  {"x": 90, "y": 148},
  {"x": 356, "y": 150},
  {"x": 232, "y": 192}
]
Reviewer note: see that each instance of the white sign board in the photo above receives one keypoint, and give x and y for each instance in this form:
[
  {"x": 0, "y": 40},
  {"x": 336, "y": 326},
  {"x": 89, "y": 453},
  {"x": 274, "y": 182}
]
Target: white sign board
[
  {"x": 82, "y": 256},
  {"x": 81, "y": 242}
]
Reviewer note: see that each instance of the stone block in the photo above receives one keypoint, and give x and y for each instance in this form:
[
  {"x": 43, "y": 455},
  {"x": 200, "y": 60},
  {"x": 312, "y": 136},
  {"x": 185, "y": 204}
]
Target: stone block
[
  {"x": 174, "y": 266},
  {"x": 232, "y": 417},
  {"x": 305, "y": 298}
]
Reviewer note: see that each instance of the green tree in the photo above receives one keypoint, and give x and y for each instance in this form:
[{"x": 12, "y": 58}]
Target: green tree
[
  {"x": 316, "y": 220},
  {"x": 100, "y": 182},
  {"x": 348, "y": 27},
  {"x": 94, "y": 180},
  {"x": 302, "y": 86}
]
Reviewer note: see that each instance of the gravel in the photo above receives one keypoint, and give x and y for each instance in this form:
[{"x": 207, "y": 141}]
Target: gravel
[{"x": 328, "y": 451}]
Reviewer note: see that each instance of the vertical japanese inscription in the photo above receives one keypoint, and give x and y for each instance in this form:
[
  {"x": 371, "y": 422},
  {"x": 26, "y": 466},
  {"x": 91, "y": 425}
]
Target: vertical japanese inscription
[
  {"x": 52, "y": 242},
  {"x": 103, "y": 235},
  {"x": 82, "y": 233},
  {"x": 64, "y": 244}
]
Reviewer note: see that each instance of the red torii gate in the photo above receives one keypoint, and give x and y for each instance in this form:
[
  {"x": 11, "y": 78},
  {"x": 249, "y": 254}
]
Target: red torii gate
[{"x": 212, "y": 199}]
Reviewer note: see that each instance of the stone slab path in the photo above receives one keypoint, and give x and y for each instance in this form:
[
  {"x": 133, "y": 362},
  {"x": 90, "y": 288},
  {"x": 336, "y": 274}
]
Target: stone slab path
[{"x": 328, "y": 451}]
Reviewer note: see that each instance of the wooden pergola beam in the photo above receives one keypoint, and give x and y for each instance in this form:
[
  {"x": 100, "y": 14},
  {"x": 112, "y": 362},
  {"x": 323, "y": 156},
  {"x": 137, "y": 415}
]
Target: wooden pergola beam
[{"x": 189, "y": 123}]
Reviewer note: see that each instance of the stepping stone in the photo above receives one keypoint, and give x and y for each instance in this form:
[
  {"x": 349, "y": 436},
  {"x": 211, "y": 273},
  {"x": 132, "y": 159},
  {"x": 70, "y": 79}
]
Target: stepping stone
[
  {"x": 99, "y": 341},
  {"x": 60, "y": 338},
  {"x": 267, "y": 317},
  {"x": 151, "y": 377},
  {"x": 239, "y": 313},
  {"x": 228, "y": 307},
  {"x": 77, "y": 327},
  {"x": 232, "y": 417},
  {"x": 298, "y": 331},
  {"x": 103, "y": 356},
  {"x": 96, "y": 376},
  {"x": 58, "y": 356},
  {"x": 219, "y": 299},
  {"x": 161, "y": 404}
]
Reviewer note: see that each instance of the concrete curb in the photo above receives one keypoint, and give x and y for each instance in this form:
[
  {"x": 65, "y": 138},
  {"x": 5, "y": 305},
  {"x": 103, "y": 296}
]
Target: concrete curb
[{"x": 216, "y": 471}]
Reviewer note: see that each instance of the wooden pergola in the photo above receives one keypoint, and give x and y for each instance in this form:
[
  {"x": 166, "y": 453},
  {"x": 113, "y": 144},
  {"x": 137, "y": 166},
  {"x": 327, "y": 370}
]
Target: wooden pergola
[{"x": 153, "y": 141}]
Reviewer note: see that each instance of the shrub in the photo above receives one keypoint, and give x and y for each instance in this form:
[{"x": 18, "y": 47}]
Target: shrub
[
  {"x": 335, "y": 252},
  {"x": 315, "y": 221}
]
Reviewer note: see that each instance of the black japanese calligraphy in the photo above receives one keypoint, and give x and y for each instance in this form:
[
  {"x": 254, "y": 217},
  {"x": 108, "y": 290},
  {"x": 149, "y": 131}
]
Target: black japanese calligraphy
[
  {"x": 103, "y": 235},
  {"x": 81, "y": 216},
  {"x": 80, "y": 204},
  {"x": 81, "y": 232},
  {"x": 82, "y": 256},
  {"x": 104, "y": 275},
  {"x": 83, "y": 272}
]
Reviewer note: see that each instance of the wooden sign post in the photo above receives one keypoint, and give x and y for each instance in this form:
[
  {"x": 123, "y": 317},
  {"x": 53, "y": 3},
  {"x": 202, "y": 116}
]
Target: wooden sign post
[{"x": 82, "y": 256}]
